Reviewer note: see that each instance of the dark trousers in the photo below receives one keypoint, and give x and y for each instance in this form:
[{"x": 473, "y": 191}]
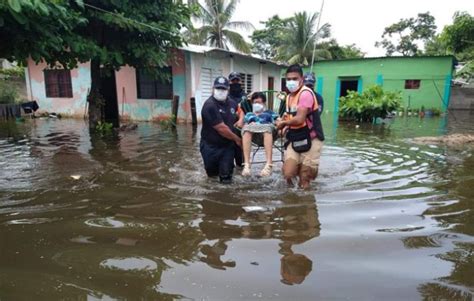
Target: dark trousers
[{"x": 218, "y": 160}]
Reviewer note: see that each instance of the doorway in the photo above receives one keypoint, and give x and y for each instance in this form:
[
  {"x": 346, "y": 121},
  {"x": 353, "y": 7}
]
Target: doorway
[
  {"x": 348, "y": 85},
  {"x": 271, "y": 88},
  {"x": 108, "y": 89}
]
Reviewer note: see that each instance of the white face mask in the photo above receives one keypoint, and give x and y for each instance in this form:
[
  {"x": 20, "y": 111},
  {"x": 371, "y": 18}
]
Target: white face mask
[
  {"x": 292, "y": 85},
  {"x": 257, "y": 107},
  {"x": 220, "y": 94}
]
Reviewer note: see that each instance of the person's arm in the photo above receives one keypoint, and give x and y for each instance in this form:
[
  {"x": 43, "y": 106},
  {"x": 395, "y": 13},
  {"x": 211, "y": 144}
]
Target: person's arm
[
  {"x": 226, "y": 132},
  {"x": 305, "y": 106},
  {"x": 300, "y": 117},
  {"x": 240, "y": 122}
]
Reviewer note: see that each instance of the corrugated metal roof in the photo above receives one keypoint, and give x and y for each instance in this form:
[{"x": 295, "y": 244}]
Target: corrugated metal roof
[{"x": 387, "y": 57}]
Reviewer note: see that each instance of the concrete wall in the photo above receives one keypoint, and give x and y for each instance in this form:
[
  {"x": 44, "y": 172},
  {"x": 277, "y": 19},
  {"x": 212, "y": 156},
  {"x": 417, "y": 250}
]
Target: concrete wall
[
  {"x": 186, "y": 78},
  {"x": 75, "y": 106},
  {"x": 434, "y": 73},
  {"x": 462, "y": 99},
  {"x": 134, "y": 108},
  {"x": 223, "y": 64}
]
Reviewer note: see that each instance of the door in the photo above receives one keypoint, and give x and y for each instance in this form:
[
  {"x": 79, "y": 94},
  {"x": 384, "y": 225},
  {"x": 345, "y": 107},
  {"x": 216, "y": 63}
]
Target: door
[
  {"x": 271, "y": 88},
  {"x": 108, "y": 89}
]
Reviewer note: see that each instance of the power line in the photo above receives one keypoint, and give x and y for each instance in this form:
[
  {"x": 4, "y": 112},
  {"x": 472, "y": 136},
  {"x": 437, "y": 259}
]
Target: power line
[{"x": 126, "y": 18}]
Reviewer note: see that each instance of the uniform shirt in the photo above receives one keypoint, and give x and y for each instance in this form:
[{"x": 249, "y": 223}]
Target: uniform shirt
[{"x": 214, "y": 112}]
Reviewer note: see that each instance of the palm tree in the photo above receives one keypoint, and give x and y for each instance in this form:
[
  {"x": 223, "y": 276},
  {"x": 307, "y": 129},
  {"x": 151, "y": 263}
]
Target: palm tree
[
  {"x": 298, "y": 40},
  {"x": 217, "y": 27}
]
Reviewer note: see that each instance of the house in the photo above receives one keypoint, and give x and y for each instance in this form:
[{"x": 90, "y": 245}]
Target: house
[
  {"x": 423, "y": 80},
  {"x": 135, "y": 95}
]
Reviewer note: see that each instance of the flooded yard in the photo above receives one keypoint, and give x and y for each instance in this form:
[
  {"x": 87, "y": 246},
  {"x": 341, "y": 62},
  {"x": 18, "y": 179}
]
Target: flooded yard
[{"x": 387, "y": 219}]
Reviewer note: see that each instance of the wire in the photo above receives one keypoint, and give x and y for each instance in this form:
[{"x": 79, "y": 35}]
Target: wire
[
  {"x": 126, "y": 18},
  {"x": 316, "y": 35}
]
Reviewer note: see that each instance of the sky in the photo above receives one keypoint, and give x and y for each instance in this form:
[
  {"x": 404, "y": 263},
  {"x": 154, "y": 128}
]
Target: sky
[{"x": 360, "y": 22}]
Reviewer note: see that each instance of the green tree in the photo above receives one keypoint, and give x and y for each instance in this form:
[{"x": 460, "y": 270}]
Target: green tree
[
  {"x": 107, "y": 33},
  {"x": 408, "y": 33},
  {"x": 298, "y": 39},
  {"x": 459, "y": 36},
  {"x": 266, "y": 41},
  {"x": 217, "y": 28},
  {"x": 340, "y": 52}
]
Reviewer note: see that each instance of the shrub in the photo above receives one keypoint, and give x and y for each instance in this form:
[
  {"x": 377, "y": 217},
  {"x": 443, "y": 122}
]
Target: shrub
[
  {"x": 8, "y": 93},
  {"x": 372, "y": 103}
]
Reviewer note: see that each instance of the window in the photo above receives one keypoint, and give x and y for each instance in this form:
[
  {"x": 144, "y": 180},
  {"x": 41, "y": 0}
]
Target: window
[
  {"x": 247, "y": 82},
  {"x": 207, "y": 81},
  {"x": 58, "y": 83},
  {"x": 149, "y": 87},
  {"x": 412, "y": 84}
]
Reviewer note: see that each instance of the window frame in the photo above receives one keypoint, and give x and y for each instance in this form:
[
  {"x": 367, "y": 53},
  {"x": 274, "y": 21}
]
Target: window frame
[
  {"x": 58, "y": 83},
  {"x": 412, "y": 84},
  {"x": 247, "y": 82},
  {"x": 162, "y": 90}
]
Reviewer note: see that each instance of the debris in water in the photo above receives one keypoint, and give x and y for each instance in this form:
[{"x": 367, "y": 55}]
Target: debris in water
[
  {"x": 254, "y": 263},
  {"x": 75, "y": 177},
  {"x": 451, "y": 140},
  {"x": 253, "y": 208}
]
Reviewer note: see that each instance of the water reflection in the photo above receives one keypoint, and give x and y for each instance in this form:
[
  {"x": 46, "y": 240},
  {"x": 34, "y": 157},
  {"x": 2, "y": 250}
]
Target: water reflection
[
  {"x": 143, "y": 221},
  {"x": 293, "y": 221}
]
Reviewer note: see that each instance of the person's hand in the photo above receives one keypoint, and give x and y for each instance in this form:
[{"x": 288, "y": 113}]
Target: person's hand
[
  {"x": 239, "y": 124},
  {"x": 238, "y": 141},
  {"x": 280, "y": 124}
]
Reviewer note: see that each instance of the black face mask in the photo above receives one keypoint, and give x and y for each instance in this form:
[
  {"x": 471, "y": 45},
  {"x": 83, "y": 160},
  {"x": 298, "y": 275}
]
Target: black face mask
[{"x": 235, "y": 89}]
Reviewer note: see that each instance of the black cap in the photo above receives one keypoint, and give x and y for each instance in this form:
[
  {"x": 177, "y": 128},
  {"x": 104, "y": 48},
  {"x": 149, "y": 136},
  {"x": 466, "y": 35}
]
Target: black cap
[
  {"x": 234, "y": 75},
  {"x": 221, "y": 82},
  {"x": 309, "y": 79}
]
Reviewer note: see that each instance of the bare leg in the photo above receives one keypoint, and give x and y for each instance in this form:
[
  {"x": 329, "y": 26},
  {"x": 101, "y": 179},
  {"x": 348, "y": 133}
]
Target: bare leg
[
  {"x": 307, "y": 174},
  {"x": 290, "y": 170},
  {"x": 247, "y": 146},
  {"x": 268, "y": 144}
]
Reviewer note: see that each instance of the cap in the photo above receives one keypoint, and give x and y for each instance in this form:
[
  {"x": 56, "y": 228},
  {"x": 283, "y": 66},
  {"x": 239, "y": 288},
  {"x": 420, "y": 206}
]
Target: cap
[
  {"x": 309, "y": 79},
  {"x": 221, "y": 82},
  {"x": 234, "y": 75}
]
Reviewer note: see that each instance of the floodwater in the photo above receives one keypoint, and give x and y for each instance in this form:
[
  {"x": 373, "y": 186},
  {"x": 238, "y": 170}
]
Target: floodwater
[{"x": 386, "y": 220}]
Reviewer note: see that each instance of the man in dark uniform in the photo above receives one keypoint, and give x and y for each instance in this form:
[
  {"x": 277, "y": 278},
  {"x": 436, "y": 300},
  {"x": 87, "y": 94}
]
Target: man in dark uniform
[
  {"x": 237, "y": 95},
  {"x": 217, "y": 138},
  {"x": 309, "y": 81}
]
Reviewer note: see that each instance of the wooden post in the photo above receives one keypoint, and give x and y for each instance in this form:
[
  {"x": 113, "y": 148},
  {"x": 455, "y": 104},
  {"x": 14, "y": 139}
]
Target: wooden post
[
  {"x": 174, "y": 109},
  {"x": 193, "y": 111}
]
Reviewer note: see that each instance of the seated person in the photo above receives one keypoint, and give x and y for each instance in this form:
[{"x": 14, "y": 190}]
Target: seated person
[{"x": 259, "y": 122}]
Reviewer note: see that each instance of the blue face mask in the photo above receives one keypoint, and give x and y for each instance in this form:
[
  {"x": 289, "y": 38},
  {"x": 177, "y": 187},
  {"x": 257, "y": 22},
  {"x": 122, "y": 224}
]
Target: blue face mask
[{"x": 292, "y": 85}]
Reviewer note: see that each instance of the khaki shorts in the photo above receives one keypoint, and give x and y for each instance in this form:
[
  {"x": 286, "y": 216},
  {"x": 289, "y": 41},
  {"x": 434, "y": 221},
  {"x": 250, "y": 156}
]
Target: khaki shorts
[{"x": 309, "y": 158}]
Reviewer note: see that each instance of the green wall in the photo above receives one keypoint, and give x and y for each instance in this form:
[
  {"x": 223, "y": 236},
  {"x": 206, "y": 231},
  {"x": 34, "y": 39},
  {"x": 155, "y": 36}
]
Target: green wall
[{"x": 390, "y": 72}]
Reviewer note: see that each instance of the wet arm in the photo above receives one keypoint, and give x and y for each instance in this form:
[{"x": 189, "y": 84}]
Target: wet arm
[{"x": 226, "y": 132}]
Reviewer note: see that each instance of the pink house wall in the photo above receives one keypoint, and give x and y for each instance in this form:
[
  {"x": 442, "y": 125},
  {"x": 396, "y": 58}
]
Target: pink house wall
[{"x": 74, "y": 106}]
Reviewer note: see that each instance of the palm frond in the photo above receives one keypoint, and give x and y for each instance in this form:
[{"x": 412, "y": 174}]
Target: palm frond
[
  {"x": 236, "y": 40},
  {"x": 240, "y": 25}
]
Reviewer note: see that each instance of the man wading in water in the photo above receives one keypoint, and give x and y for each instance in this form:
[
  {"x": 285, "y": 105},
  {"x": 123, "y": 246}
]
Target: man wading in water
[
  {"x": 304, "y": 131},
  {"x": 217, "y": 139}
]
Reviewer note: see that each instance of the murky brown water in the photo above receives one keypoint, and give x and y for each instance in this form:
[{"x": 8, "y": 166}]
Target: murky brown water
[{"x": 389, "y": 220}]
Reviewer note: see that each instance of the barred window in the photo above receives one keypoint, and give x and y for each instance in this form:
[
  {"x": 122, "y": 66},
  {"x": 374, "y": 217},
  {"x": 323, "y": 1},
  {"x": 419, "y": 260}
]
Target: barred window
[
  {"x": 58, "y": 83},
  {"x": 412, "y": 84},
  {"x": 247, "y": 82},
  {"x": 149, "y": 87}
]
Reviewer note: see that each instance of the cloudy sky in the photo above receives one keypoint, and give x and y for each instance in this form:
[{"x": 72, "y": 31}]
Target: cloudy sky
[{"x": 360, "y": 22}]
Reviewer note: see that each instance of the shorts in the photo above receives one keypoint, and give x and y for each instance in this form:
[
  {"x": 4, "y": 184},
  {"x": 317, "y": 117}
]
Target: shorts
[{"x": 309, "y": 158}]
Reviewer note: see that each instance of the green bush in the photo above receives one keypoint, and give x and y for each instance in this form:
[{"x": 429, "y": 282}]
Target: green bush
[
  {"x": 8, "y": 93},
  {"x": 372, "y": 103},
  {"x": 15, "y": 72}
]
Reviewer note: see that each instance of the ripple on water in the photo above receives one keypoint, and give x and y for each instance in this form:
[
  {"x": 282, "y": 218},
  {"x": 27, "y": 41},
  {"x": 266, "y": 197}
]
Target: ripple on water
[
  {"x": 104, "y": 222},
  {"x": 129, "y": 264}
]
